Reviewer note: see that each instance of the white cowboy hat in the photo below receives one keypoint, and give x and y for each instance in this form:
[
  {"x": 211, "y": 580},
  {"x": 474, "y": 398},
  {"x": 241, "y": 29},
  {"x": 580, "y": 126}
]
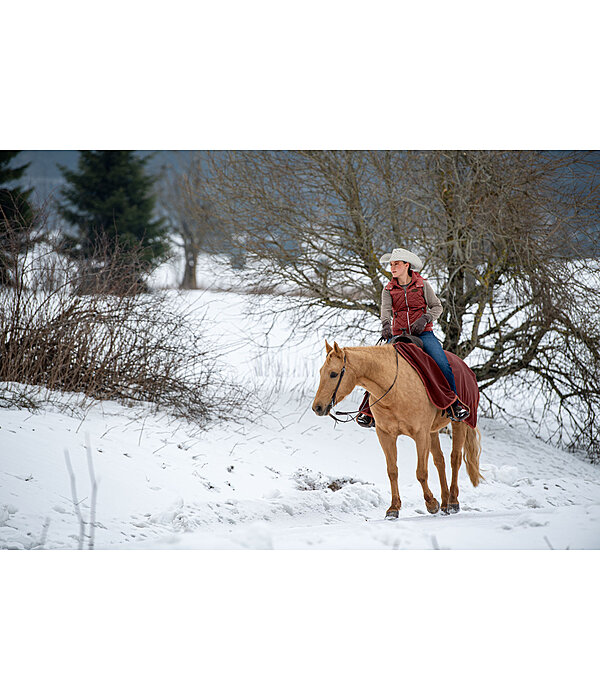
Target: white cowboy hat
[{"x": 402, "y": 254}]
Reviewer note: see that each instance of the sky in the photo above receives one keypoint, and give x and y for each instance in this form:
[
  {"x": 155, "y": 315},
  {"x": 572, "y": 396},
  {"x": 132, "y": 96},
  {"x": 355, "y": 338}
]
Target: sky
[{"x": 325, "y": 75}]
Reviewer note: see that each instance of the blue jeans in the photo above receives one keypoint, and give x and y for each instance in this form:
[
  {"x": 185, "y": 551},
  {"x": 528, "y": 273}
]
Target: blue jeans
[{"x": 433, "y": 347}]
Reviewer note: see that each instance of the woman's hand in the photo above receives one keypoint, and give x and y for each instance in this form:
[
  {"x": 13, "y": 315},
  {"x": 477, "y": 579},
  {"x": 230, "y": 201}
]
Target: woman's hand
[
  {"x": 419, "y": 325},
  {"x": 386, "y": 330}
]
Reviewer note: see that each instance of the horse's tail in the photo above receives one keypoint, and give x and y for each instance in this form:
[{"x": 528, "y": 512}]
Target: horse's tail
[{"x": 471, "y": 453}]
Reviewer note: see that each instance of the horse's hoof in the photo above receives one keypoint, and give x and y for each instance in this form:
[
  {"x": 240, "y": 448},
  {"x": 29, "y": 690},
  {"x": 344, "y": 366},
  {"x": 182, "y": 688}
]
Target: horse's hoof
[
  {"x": 450, "y": 508},
  {"x": 433, "y": 506},
  {"x": 392, "y": 515}
]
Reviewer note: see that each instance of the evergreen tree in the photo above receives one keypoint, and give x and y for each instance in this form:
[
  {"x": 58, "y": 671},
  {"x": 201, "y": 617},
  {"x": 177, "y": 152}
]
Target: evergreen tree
[
  {"x": 109, "y": 201},
  {"x": 16, "y": 214}
]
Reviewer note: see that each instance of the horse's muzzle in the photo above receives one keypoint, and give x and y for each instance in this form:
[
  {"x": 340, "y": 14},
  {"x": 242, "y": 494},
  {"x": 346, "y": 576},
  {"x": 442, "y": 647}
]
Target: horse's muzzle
[{"x": 321, "y": 410}]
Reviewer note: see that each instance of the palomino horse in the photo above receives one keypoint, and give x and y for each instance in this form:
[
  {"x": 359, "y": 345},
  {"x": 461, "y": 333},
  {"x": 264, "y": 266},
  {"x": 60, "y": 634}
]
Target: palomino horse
[{"x": 403, "y": 409}]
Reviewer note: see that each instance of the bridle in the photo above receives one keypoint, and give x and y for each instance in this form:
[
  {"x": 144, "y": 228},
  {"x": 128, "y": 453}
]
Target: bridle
[
  {"x": 353, "y": 414},
  {"x": 333, "y": 401}
]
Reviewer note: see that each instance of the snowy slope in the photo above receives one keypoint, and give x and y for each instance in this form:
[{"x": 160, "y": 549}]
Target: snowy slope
[{"x": 265, "y": 482}]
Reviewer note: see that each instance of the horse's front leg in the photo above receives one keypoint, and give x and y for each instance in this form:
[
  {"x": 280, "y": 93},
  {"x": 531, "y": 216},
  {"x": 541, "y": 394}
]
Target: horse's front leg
[
  {"x": 422, "y": 441},
  {"x": 388, "y": 445}
]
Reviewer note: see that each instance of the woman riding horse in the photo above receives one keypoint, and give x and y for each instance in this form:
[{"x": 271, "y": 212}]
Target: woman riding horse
[{"x": 413, "y": 307}]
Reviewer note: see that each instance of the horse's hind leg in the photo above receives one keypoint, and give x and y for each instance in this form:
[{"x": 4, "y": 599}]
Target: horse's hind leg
[
  {"x": 438, "y": 458},
  {"x": 390, "y": 450},
  {"x": 459, "y": 435},
  {"x": 423, "y": 441}
]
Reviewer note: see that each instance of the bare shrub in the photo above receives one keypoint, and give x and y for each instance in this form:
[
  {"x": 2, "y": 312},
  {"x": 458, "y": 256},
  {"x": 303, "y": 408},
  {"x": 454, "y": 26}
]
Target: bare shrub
[{"x": 129, "y": 347}]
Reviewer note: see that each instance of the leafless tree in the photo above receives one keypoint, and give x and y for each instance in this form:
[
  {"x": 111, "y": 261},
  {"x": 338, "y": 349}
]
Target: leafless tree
[
  {"x": 513, "y": 243},
  {"x": 509, "y": 238},
  {"x": 186, "y": 206}
]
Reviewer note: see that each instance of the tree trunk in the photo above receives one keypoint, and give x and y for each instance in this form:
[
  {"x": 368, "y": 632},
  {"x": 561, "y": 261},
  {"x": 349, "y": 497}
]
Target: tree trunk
[
  {"x": 190, "y": 254},
  {"x": 189, "y": 271}
]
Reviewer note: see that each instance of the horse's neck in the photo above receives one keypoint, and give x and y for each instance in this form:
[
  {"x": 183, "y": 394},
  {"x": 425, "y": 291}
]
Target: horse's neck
[{"x": 374, "y": 366}]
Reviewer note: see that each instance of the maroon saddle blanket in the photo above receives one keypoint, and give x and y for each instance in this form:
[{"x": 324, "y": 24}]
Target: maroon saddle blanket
[{"x": 436, "y": 384}]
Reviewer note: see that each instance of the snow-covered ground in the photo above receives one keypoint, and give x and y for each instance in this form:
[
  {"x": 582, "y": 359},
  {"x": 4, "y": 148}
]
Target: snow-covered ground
[{"x": 283, "y": 480}]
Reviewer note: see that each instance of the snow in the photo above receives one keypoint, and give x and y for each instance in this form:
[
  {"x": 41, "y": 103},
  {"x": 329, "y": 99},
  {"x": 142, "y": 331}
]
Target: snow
[
  {"x": 282, "y": 479},
  {"x": 209, "y": 608}
]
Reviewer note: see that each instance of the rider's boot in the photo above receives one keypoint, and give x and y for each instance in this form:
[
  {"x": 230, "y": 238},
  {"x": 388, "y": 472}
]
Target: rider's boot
[
  {"x": 365, "y": 417},
  {"x": 458, "y": 411}
]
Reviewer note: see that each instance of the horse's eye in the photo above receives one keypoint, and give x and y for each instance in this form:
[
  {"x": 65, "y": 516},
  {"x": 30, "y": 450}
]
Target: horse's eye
[{"x": 333, "y": 375}]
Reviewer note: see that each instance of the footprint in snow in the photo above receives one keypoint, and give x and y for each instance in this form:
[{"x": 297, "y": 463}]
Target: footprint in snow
[{"x": 528, "y": 521}]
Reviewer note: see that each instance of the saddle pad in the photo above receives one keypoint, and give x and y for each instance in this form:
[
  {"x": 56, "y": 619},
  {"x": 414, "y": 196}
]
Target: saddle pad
[{"x": 436, "y": 384}]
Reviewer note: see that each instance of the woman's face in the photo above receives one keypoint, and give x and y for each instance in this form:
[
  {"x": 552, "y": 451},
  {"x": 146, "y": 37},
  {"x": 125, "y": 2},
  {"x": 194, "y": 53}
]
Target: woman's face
[{"x": 399, "y": 268}]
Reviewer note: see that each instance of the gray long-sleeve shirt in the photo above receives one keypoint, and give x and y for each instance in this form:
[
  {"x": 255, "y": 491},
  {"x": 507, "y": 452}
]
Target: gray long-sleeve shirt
[{"x": 434, "y": 305}]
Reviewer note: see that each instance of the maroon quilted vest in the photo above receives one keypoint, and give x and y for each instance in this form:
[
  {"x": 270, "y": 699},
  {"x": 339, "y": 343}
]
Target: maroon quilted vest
[{"x": 408, "y": 303}]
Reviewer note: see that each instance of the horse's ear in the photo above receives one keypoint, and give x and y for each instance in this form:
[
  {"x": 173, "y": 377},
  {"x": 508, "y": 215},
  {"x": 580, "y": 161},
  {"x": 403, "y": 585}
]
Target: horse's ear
[
  {"x": 337, "y": 349},
  {"x": 328, "y": 348}
]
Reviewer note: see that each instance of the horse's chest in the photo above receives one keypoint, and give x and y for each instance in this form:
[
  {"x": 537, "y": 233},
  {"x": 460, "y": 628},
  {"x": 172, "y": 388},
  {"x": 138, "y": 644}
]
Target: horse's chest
[{"x": 392, "y": 421}]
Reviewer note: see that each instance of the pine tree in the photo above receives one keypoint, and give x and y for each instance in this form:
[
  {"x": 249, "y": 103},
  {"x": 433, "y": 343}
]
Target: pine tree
[
  {"x": 16, "y": 215},
  {"x": 109, "y": 202}
]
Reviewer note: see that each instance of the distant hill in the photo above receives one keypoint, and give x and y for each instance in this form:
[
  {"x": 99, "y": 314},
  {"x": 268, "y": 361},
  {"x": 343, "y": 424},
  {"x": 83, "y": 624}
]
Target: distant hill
[{"x": 44, "y": 176}]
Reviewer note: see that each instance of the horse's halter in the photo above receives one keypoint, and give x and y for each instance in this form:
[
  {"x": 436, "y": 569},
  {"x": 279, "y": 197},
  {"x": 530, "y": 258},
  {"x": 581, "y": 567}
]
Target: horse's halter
[{"x": 331, "y": 404}]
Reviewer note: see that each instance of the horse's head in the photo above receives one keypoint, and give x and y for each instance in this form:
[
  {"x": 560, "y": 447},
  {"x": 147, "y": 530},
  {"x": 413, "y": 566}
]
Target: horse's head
[{"x": 337, "y": 380}]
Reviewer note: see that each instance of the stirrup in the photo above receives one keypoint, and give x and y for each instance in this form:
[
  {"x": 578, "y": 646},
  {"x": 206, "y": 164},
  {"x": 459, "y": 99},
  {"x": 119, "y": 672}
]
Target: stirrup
[
  {"x": 365, "y": 421},
  {"x": 458, "y": 411}
]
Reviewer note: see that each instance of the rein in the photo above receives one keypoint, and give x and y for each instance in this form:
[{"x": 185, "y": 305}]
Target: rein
[{"x": 354, "y": 414}]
